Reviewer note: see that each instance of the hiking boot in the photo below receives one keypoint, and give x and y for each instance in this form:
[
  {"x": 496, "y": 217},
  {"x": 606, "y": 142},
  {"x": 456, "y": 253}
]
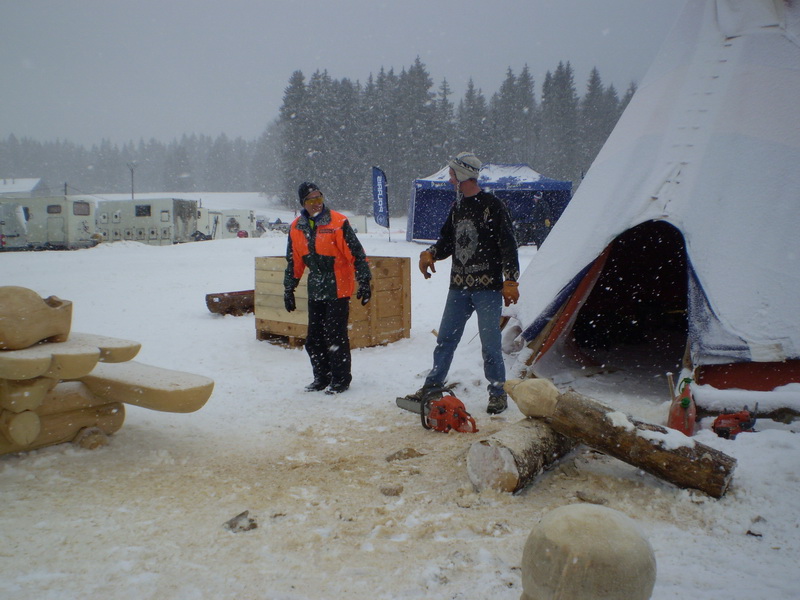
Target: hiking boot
[
  {"x": 337, "y": 388},
  {"x": 497, "y": 404},
  {"x": 317, "y": 385}
]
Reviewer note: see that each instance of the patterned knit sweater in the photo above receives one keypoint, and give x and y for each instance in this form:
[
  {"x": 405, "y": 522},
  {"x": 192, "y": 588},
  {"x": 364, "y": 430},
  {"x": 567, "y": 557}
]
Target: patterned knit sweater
[{"x": 479, "y": 235}]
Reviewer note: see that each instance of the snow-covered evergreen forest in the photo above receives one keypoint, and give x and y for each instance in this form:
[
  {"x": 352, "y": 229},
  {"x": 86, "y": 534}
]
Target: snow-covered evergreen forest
[{"x": 329, "y": 129}]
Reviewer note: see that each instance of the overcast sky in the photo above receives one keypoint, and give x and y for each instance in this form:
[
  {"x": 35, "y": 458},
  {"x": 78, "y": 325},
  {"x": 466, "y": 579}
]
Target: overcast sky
[{"x": 87, "y": 70}]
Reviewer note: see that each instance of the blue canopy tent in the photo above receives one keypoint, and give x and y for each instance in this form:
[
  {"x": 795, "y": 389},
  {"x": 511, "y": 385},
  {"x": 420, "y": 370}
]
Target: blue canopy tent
[{"x": 432, "y": 197}]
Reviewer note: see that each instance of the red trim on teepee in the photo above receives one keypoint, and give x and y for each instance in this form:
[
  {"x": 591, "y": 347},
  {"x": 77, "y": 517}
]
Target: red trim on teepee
[
  {"x": 575, "y": 302},
  {"x": 757, "y": 376}
]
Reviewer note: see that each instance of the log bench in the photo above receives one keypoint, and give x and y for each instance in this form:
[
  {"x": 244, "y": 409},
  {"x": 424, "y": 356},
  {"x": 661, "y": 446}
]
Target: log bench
[{"x": 52, "y": 393}]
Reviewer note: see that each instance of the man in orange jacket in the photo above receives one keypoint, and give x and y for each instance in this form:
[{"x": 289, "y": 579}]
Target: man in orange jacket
[{"x": 323, "y": 240}]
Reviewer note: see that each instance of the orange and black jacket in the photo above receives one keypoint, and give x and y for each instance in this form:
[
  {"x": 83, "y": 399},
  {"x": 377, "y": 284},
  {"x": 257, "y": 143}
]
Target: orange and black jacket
[{"x": 328, "y": 246}]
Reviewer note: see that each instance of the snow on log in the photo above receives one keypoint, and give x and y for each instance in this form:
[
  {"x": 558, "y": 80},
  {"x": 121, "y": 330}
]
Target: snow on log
[
  {"x": 665, "y": 453},
  {"x": 511, "y": 458}
]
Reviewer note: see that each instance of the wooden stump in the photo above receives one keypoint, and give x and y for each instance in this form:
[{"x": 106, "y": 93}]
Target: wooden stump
[
  {"x": 514, "y": 456},
  {"x": 665, "y": 453}
]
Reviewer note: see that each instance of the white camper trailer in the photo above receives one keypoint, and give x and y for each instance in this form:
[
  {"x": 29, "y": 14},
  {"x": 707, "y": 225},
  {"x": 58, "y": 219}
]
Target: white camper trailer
[
  {"x": 218, "y": 224},
  {"x": 58, "y": 222},
  {"x": 157, "y": 221},
  {"x": 13, "y": 232}
]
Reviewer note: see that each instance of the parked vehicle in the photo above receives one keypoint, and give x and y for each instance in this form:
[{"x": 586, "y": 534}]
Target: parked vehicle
[
  {"x": 225, "y": 223},
  {"x": 57, "y": 222},
  {"x": 158, "y": 222},
  {"x": 13, "y": 230}
]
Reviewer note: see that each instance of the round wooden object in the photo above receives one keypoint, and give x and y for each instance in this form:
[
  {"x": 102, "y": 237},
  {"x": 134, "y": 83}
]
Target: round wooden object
[
  {"x": 21, "y": 428},
  {"x": 587, "y": 552}
]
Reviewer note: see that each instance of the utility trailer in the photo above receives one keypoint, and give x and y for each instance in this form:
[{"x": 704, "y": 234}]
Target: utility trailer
[{"x": 158, "y": 221}]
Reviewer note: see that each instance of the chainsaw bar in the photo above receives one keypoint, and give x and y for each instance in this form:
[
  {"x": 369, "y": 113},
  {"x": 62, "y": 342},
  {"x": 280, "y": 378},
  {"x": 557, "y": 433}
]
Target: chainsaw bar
[{"x": 412, "y": 404}]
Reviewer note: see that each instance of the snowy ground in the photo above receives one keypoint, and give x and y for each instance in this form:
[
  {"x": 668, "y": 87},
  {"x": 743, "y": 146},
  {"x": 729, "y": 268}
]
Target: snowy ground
[{"x": 143, "y": 517}]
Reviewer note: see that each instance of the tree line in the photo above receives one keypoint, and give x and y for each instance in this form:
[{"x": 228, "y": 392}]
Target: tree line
[{"x": 332, "y": 131}]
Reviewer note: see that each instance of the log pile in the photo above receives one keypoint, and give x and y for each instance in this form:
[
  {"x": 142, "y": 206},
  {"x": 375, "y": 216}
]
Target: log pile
[
  {"x": 516, "y": 458},
  {"x": 58, "y": 386}
]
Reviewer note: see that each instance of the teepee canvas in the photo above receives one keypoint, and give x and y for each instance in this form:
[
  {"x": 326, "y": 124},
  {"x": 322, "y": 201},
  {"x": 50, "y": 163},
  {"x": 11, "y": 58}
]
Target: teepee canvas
[{"x": 683, "y": 237}]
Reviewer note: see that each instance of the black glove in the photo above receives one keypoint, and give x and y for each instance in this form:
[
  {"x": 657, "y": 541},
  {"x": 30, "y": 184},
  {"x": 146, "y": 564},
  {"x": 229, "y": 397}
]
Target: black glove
[
  {"x": 364, "y": 292},
  {"x": 288, "y": 300}
]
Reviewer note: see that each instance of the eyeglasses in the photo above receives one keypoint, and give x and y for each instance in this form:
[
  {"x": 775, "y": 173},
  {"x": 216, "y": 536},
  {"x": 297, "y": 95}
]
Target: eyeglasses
[{"x": 314, "y": 199}]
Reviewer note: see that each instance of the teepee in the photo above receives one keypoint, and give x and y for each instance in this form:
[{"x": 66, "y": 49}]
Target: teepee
[{"x": 683, "y": 237}]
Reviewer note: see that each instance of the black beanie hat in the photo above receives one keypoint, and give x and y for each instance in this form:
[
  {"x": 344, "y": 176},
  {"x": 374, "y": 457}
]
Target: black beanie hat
[{"x": 305, "y": 189}]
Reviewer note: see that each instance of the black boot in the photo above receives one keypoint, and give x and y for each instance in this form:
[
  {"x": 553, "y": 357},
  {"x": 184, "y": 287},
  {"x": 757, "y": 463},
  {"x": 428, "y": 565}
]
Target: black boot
[
  {"x": 337, "y": 388},
  {"x": 317, "y": 385}
]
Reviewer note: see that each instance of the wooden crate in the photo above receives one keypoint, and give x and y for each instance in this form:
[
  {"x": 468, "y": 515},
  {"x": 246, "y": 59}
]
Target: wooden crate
[{"x": 385, "y": 319}]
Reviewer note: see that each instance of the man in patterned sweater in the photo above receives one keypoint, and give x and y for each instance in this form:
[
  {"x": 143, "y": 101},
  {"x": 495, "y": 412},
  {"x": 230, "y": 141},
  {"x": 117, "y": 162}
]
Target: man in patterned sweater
[{"x": 479, "y": 236}]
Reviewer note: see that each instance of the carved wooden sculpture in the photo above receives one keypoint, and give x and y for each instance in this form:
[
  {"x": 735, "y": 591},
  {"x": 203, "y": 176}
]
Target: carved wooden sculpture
[{"x": 71, "y": 387}]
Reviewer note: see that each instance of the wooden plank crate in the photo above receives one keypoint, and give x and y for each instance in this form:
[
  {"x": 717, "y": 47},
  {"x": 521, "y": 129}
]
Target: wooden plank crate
[{"x": 385, "y": 319}]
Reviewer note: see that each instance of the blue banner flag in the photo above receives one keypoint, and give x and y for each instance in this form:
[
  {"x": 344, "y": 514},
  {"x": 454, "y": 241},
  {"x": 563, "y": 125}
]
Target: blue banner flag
[{"x": 380, "y": 197}]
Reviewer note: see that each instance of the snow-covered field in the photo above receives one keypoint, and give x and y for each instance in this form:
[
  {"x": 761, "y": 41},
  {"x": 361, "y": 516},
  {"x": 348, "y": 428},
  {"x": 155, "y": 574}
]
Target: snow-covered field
[{"x": 143, "y": 517}]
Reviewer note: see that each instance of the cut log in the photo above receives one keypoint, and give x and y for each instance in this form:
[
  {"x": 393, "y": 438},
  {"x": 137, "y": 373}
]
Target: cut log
[
  {"x": 26, "y": 394},
  {"x": 20, "y": 428},
  {"x": 64, "y": 427},
  {"x": 231, "y": 303},
  {"x": 513, "y": 457},
  {"x": 665, "y": 453}
]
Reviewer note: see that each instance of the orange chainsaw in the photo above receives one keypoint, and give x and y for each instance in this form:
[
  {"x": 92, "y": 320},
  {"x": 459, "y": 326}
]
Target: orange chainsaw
[{"x": 729, "y": 425}]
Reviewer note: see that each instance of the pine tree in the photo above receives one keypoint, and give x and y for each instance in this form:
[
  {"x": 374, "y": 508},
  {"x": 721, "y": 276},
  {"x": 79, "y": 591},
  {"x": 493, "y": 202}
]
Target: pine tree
[
  {"x": 178, "y": 176},
  {"x": 416, "y": 116},
  {"x": 559, "y": 129},
  {"x": 473, "y": 122},
  {"x": 502, "y": 115},
  {"x": 527, "y": 118},
  {"x": 294, "y": 130},
  {"x": 592, "y": 123},
  {"x": 266, "y": 165}
]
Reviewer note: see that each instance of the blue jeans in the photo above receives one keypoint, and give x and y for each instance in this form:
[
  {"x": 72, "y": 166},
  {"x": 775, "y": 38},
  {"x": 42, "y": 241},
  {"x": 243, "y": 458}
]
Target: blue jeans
[{"x": 457, "y": 311}]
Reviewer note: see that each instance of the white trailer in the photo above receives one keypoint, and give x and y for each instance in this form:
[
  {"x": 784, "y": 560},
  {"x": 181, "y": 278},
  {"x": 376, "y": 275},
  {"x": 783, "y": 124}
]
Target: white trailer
[
  {"x": 57, "y": 222},
  {"x": 13, "y": 230},
  {"x": 157, "y": 221},
  {"x": 218, "y": 224}
]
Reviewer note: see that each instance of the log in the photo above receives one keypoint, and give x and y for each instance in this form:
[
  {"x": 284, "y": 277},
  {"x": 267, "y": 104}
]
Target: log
[
  {"x": 664, "y": 453},
  {"x": 64, "y": 427},
  {"x": 513, "y": 457},
  {"x": 26, "y": 394},
  {"x": 20, "y": 428},
  {"x": 231, "y": 303}
]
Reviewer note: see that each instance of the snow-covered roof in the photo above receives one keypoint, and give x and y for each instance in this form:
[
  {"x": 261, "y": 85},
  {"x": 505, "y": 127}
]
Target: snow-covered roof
[
  {"x": 500, "y": 176},
  {"x": 13, "y": 185}
]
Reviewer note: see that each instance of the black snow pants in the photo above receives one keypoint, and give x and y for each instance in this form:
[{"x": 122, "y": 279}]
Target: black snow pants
[{"x": 327, "y": 343}]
